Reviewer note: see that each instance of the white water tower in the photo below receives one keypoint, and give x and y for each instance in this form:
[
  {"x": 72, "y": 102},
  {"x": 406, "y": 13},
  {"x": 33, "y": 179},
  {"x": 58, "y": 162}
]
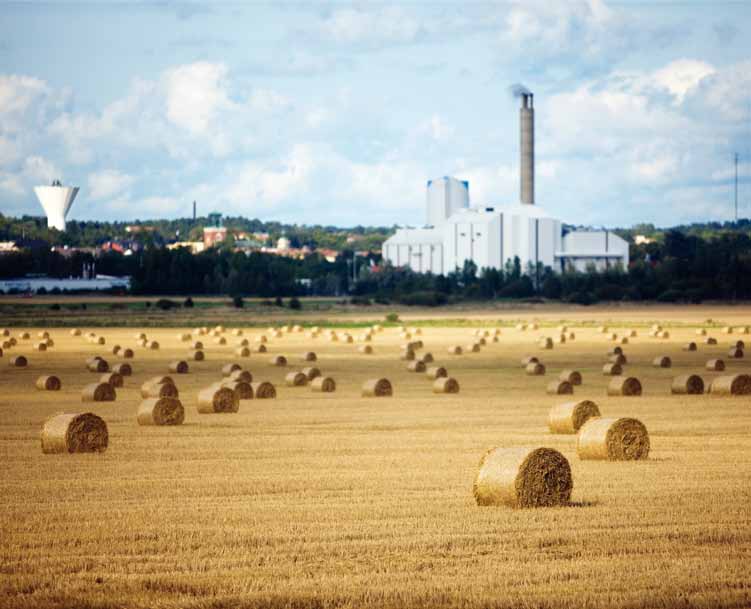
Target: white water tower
[{"x": 56, "y": 201}]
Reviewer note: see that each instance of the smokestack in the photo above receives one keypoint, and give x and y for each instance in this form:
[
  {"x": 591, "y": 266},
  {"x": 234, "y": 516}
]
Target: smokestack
[
  {"x": 194, "y": 211},
  {"x": 527, "y": 147}
]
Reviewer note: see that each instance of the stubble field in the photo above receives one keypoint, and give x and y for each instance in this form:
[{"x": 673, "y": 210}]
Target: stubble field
[{"x": 335, "y": 500}]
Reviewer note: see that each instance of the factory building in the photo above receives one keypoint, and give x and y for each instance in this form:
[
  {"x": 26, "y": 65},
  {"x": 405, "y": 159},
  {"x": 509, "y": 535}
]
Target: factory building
[{"x": 492, "y": 235}]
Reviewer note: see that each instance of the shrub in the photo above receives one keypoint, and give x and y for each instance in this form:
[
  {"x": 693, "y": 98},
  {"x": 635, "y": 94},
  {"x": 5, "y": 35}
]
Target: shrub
[
  {"x": 165, "y": 304},
  {"x": 238, "y": 302},
  {"x": 392, "y": 317},
  {"x": 670, "y": 296},
  {"x": 294, "y": 303},
  {"x": 267, "y": 303},
  {"x": 360, "y": 301},
  {"x": 583, "y": 298},
  {"x": 381, "y": 300},
  {"x": 278, "y": 301},
  {"x": 55, "y": 307},
  {"x": 188, "y": 303},
  {"x": 425, "y": 298},
  {"x": 521, "y": 288}
]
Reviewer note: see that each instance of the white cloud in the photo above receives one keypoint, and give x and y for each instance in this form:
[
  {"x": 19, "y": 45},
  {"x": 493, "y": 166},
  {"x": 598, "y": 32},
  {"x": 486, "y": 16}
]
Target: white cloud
[
  {"x": 195, "y": 94},
  {"x": 387, "y": 24},
  {"x": 682, "y": 75},
  {"x": 108, "y": 183}
]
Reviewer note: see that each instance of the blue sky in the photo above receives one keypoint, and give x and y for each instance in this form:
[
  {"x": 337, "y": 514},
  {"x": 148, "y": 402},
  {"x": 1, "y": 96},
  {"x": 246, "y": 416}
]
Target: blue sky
[{"x": 338, "y": 113}]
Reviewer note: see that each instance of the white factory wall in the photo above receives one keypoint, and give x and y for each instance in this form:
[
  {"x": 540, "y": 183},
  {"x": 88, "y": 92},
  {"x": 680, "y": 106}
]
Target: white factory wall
[
  {"x": 581, "y": 250},
  {"x": 419, "y": 248},
  {"x": 445, "y": 196}
]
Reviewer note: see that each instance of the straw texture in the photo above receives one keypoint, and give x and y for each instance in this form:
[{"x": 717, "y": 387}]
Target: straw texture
[
  {"x": 687, "y": 384},
  {"x": 377, "y": 388},
  {"x": 98, "y": 392},
  {"x": 161, "y": 411},
  {"x": 613, "y": 439},
  {"x": 323, "y": 384},
  {"x": 48, "y": 383},
  {"x": 445, "y": 384},
  {"x": 217, "y": 399},
  {"x": 625, "y": 385},
  {"x": 571, "y": 376},
  {"x": 263, "y": 390},
  {"x": 737, "y": 384},
  {"x": 568, "y": 417},
  {"x": 74, "y": 433}
]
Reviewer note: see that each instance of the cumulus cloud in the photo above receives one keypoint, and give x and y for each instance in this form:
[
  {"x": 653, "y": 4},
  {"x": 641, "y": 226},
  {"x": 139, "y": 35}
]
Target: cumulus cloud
[{"x": 108, "y": 183}]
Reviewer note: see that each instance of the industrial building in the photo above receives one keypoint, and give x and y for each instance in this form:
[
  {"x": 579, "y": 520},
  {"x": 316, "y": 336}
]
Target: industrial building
[
  {"x": 56, "y": 201},
  {"x": 491, "y": 235}
]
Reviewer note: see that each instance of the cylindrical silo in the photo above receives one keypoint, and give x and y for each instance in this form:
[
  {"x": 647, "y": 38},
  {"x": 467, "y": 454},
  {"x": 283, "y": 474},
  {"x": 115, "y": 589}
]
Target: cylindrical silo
[{"x": 527, "y": 160}]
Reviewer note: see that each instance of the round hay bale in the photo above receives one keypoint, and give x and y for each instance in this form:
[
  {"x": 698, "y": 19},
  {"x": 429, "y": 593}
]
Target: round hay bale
[
  {"x": 116, "y": 349},
  {"x": 739, "y": 344},
  {"x": 311, "y": 372},
  {"x": 613, "y": 439},
  {"x": 218, "y": 399},
  {"x": 445, "y": 384},
  {"x": 264, "y": 390},
  {"x": 687, "y": 384},
  {"x": 365, "y": 349},
  {"x": 43, "y": 334},
  {"x": 535, "y": 369},
  {"x": 140, "y": 336},
  {"x": 426, "y": 358},
  {"x": 744, "y": 330},
  {"x": 152, "y": 388},
  {"x": 656, "y": 328},
  {"x": 612, "y": 370},
  {"x": 481, "y": 341},
  {"x": 278, "y": 360},
  {"x": 98, "y": 365},
  {"x": 228, "y": 369},
  {"x": 13, "y": 341},
  {"x": 333, "y": 337},
  {"x": 242, "y": 352},
  {"x": 521, "y": 327},
  {"x": 710, "y": 341},
  {"x": 735, "y": 353},
  {"x": 185, "y": 337},
  {"x": 74, "y": 433},
  {"x": 662, "y": 361},
  {"x": 310, "y": 356},
  {"x": 179, "y": 367},
  {"x": 715, "y": 365},
  {"x": 98, "y": 392},
  {"x": 18, "y": 361},
  {"x": 701, "y": 332},
  {"x": 560, "y": 388},
  {"x": 153, "y": 345},
  {"x": 24, "y": 336},
  {"x": 40, "y": 346},
  {"x": 690, "y": 346},
  {"x": 631, "y": 333},
  {"x": 160, "y": 411},
  {"x": 243, "y": 389},
  {"x": 73, "y": 332},
  {"x": 727, "y": 330},
  {"x": 436, "y": 372},
  {"x": 48, "y": 383},
  {"x": 663, "y": 334},
  {"x": 6, "y": 344},
  {"x": 545, "y": 343},
  {"x": 523, "y": 478},
  {"x": 560, "y": 339},
  {"x": 296, "y": 379},
  {"x": 220, "y": 340},
  {"x": 377, "y": 388},
  {"x": 571, "y": 336},
  {"x": 736, "y": 384},
  {"x": 617, "y": 358},
  {"x": 534, "y": 326},
  {"x": 100, "y": 340},
  {"x": 571, "y": 376},
  {"x": 364, "y": 338},
  {"x": 241, "y": 376},
  {"x": 243, "y": 343},
  {"x": 529, "y": 359},
  {"x": 93, "y": 359},
  {"x": 113, "y": 378},
  {"x": 126, "y": 353},
  {"x": 122, "y": 369},
  {"x": 625, "y": 385},
  {"x": 196, "y": 345},
  {"x": 416, "y": 366},
  {"x": 323, "y": 384},
  {"x": 569, "y": 417},
  {"x": 602, "y": 329},
  {"x": 623, "y": 340},
  {"x": 198, "y": 355},
  {"x": 407, "y": 356},
  {"x": 455, "y": 350},
  {"x": 237, "y": 332},
  {"x": 261, "y": 348}
]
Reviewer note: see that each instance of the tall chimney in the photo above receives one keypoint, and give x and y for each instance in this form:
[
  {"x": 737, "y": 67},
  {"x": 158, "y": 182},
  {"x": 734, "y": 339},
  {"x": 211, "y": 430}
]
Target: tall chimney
[
  {"x": 527, "y": 149},
  {"x": 194, "y": 211}
]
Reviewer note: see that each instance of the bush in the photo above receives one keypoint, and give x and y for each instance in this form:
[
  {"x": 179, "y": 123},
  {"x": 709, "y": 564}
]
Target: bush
[
  {"x": 278, "y": 301},
  {"x": 294, "y": 303},
  {"x": 188, "y": 303},
  {"x": 382, "y": 300},
  {"x": 425, "y": 298},
  {"x": 238, "y": 302},
  {"x": 610, "y": 291},
  {"x": 55, "y": 307},
  {"x": 41, "y": 291},
  {"x": 267, "y": 303},
  {"x": 362, "y": 301},
  {"x": 521, "y": 288},
  {"x": 583, "y": 298},
  {"x": 392, "y": 317},
  {"x": 670, "y": 296},
  {"x": 165, "y": 304}
]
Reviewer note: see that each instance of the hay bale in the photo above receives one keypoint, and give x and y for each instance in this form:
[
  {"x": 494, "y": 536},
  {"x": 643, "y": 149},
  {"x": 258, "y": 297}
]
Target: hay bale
[
  {"x": 243, "y": 389},
  {"x": 571, "y": 376},
  {"x": 662, "y": 361},
  {"x": 116, "y": 349},
  {"x": 523, "y": 478},
  {"x": 690, "y": 346},
  {"x": 185, "y": 337},
  {"x": 744, "y": 330},
  {"x": 310, "y": 356},
  {"x": 535, "y": 369},
  {"x": 278, "y": 360},
  {"x": 73, "y": 332},
  {"x": 296, "y": 379},
  {"x": 242, "y": 352},
  {"x": 455, "y": 350},
  {"x": 140, "y": 336},
  {"x": 560, "y": 388},
  {"x": 739, "y": 344},
  {"x": 365, "y": 349},
  {"x": 237, "y": 332},
  {"x": 571, "y": 336},
  {"x": 100, "y": 340},
  {"x": 407, "y": 356},
  {"x": 74, "y": 433},
  {"x": 521, "y": 327},
  {"x": 715, "y": 365},
  {"x": 40, "y": 347},
  {"x": 122, "y": 369},
  {"x": 416, "y": 366},
  {"x": 220, "y": 340},
  {"x": 613, "y": 439},
  {"x": 617, "y": 358},
  {"x": 48, "y": 383},
  {"x": 377, "y": 388},
  {"x": 178, "y": 367},
  {"x": 98, "y": 392},
  {"x": 436, "y": 372},
  {"x": 217, "y": 399},
  {"x": 663, "y": 334},
  {"x": 426, "y": 358},
  {"x": 260, "y": 349},
  {"x": 735, "y": 353},
  {"x": 311, "y": 372},
  {"x": 126, "y": 354},
  {"x": 736, "y": 384},
  {"x": 625, "y": 385},
  {"x": 602, "y": 329},
  {"x": 196, "y": 345},
  {"x": 243, "y": 343},
  {"x": 445, "y": 384},
  {"x": 529, "y": 359},
  {"x": 569, "y": 417},
  {"x": 560, "y": 339},
  {"x": 113, "y": 378},
  {"x": 710, "y": 341},
  {"x": 241, "y": 376},
  {"x": 727, "y": 330},
  {"x": 612, "y": 370},
  {"x": 545, "y": 343},
  {"x": 631, "y": 333},
  {"x": 97, "y": 364},
  {"x": 323, "y": 384},
  {"x": 228, "y": 369},
  {"x": 264, "y": 390},
  {"x": 687, "y": 384},
  {"x": 158, "y": 387},
  {"x": 18, "y": 361},
  {"x": 701, "y": 332},
  {"x": 161, "y": 411},
  {"x": 24, "y": 336},
  {"x": 473, "y": 348}
]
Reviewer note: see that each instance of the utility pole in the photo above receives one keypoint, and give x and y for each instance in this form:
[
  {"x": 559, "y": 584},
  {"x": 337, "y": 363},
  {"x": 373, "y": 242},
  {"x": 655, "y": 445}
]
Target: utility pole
[{"x": 736, "y": 188}]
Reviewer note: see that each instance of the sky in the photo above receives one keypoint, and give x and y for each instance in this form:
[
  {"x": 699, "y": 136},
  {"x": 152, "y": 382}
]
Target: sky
[{"x": 338, "y": 113}]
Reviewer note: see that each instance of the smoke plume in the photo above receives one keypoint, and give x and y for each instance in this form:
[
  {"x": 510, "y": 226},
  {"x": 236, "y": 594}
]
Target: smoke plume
[{"x": 518, "y": 89}]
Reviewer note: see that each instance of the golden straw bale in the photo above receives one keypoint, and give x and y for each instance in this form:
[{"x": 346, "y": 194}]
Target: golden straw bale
[
  {"x": 40, "y": 346},
  {"x": 48, "y": 383},
  {"x": 623, "y": 340},
  {"x": 278, "y": 360},
  {"x": 196, "y": 345},
  {"x": 197, "y": 355},
  {"x": 296, "y": 379},
  {"x": 43, "y": 334},
  {"x": 612, "y": 370},
  {"x": 426, "y": 358},
  {"x": 243, "y": 389},
  {"x": 220, "y": 340},
  {"x": 140, "y": 336},
  {"x": 1, "y": 352},
  {"x": 473, "y": 348},
  {"x": 377, "y": 388},
  {"x": 179, "y": 367},
  {"x": 260, "y": 349},
  {"x": 6, "y": 332},
  {"x": 690, "y": 346},
  {"x": 560, "y": 388},
  {"x": 445, "y": 384},
  {"x": 13, "y": 341},
  {"x": 113, "y": 378},
  {"x": 244, "y": 342},
  {"x": 416, "y": 366},
  {"x": 744, "y": 330},
  {"x": 571, "y": 336},
  {"x": 687, "y": 384},
  {"x": 100, "y": 340},
  {"x": 24, "y": 336},
  {"x": 310, "y": 356},
  {"x": 716, "y": 365},
  {"x": 161, "y": 411},
  {"x": 74, "y": 433},
  {"x": 701, "y": 332},
  {"x": 98, "y": 365},
  {"x": 122, "y": 369},
  {"x": 365, "y": 349},
  {"x": 613, "y": 439},
  {"x": 739, "y": 344},
  {"x": 735, "y": 353},
  {"x": 323, "y": 384},
  {"x": 436, "y": 372},
  {"x": 545, "y": 343},
  {"x": 116, "y": 349},
  {"x": 98, "y": 392},
  {"x": 455, "y": 350},
  {"x": 407, "y": 356},
  {"x": 602, "y": 329},
  {"x": 237, "y": 332},
  {"x": 560, "y": 339},
  {"x": 523, "y": 478},
  {"x": 571, "y": 376},
  {"x": 185, "y": 337},
  {"x": 218, "y": 399},
  {"x": 631, "y": 334},
  {"x": 570, "y": 416},
  {"x": 736, "y": 384},
  {"x": 481, "y": 341},
  {"x": 625, "y": 385},
  {"x": 311, "y": 372},
  {"x": 242, "y": 352},
  {"x": 521, "y": 327},
  {"x": 6, "y": 344},
  {"x": 228, "y": 369},
  {"x": 534, "y": 326},
  {"x": 18, "y": 361},
  {"x": 159, "y": 387},
  {"x": 241, "y": 376},
  {"x": 535, "y": 369},
  {"x": 727, "y": 330},
  {"x": 126, "y": 353},
  {"x": 264, "y": 390},
  {"x": 529, "y": 359},
  {"x": 663, "y": 334},
  {"x": 662, "y": 361}
]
